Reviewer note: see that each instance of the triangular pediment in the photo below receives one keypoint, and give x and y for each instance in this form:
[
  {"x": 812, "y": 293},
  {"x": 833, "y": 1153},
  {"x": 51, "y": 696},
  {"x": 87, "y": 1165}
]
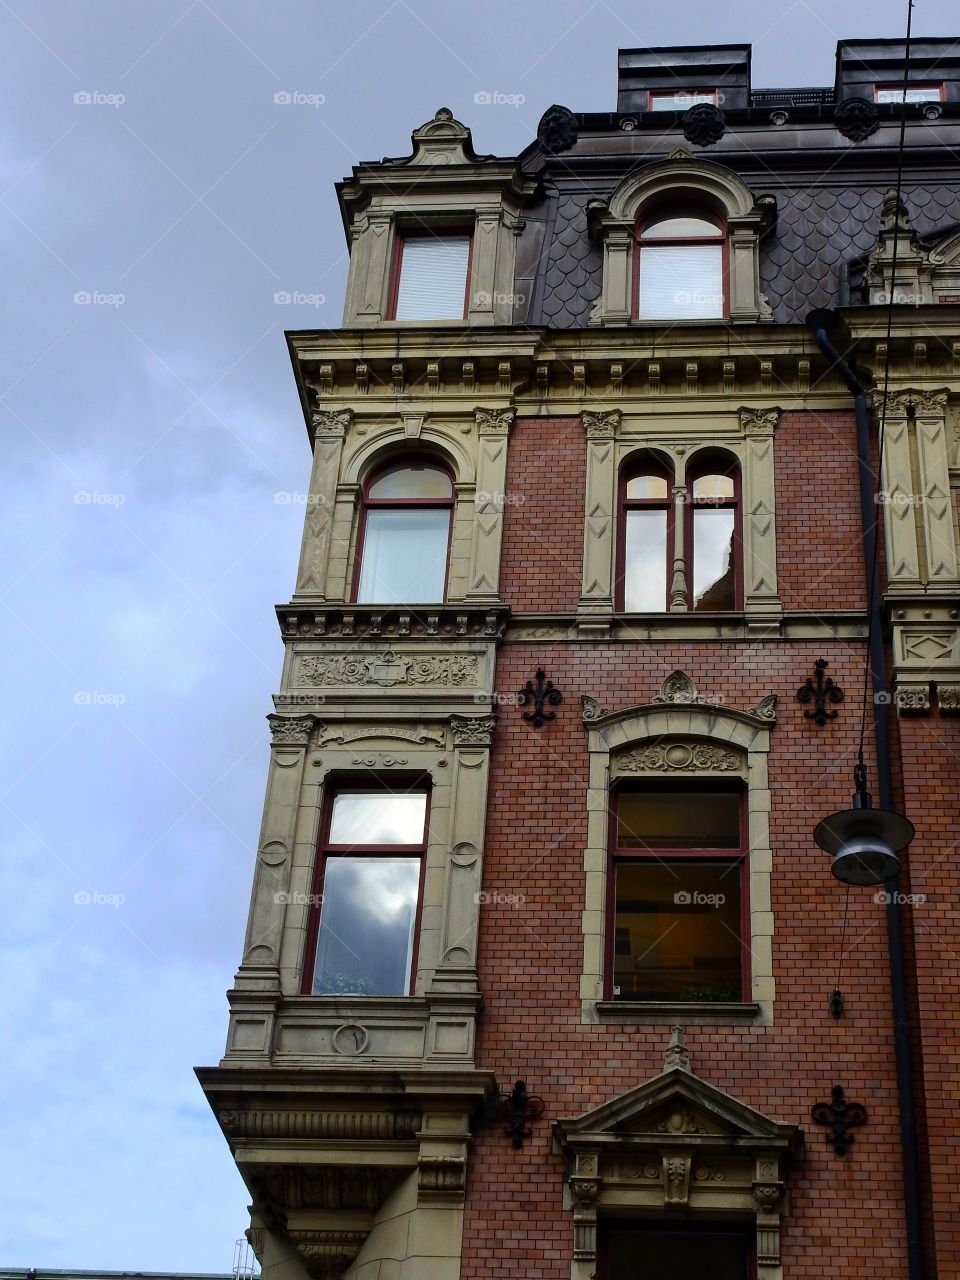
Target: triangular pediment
[{"x": 675, "y": 1105}]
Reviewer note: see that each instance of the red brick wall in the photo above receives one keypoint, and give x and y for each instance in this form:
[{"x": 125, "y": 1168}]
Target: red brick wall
[
  {"x": 819, "y": 554},
  {"x": 543, "y": 521},
  {"x": 930, "y": 749},
  {"x": 846, "y": 1214}
]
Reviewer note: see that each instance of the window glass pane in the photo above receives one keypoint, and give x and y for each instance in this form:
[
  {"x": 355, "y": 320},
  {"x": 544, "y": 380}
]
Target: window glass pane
[
  {"x": 928, "y": 93},
  {"x": 714, "y": 487},
  {"x": 713, "y": 569},
  {"x": 645, "y": 562},
  {"x": 682, "y": 100},
  {"x": 706, "y": 1255},
  {"x": 681, "y": 281},
  {"x": 367, "y": 919},
  {"x": 378, "y": 817},
  {"x": 433, "y": 278},
  {"x": 674, "y": 226},
  {"x": 404, "y": 556},
  {"x": 647, "y": 487},
  {"x": 412, "y": 482},
  {"x": 677, "y": 933},
  {"x": 678, "y": 819}
]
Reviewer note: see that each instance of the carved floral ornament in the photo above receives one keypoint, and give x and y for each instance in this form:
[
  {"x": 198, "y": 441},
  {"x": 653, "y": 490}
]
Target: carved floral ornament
[
  {"x": 494, "y": 422},
  {"x": 601, "y": 425},
  {"x": 911, "y": 403},
  {"x": 759, "y": 422}
]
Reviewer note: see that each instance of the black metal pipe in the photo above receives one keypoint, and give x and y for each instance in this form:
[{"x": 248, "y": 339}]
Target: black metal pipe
[{"x": 822, "y": 323}]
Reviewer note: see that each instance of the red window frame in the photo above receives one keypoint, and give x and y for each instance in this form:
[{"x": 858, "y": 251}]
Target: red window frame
[
  {"x": 367, "y": 503},
  {"x": 652, "y": 94},
  {"x": 647, "y": 465},
  {"x": 715, "y": 465},
  {"x": 698, "y": 211},
  {"x": 735, "y": 857},
  {"x": 325, "y": 848},
  {"x": 396, "y": 265},
  {"x": 898, "y": 87}
]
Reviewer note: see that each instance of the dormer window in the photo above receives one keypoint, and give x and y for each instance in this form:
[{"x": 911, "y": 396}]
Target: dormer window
[
  {"x": 915, "y": 93},
  {"x": 680, "y": 99},
  {"x": 431, "y": 276},
  {"x": 681, "y": 266}
]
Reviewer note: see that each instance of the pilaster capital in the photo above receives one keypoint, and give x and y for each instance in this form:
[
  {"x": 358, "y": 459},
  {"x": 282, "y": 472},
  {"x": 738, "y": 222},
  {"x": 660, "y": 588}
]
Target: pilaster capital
[
  {"x": 601, "y": 425},
  {"x": 331, "y": 423},
  {"x": 759, "y": 422},
  {"x": 290, "y": 731},
  {"x": 472, "y": 731},
  {"x": 494, "y": 422},
  {"x": 911, "y": 403}
]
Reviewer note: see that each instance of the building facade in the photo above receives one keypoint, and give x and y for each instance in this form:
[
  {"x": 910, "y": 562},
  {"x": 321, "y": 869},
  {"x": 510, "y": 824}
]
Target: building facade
[{"x": 582, "y": 647}]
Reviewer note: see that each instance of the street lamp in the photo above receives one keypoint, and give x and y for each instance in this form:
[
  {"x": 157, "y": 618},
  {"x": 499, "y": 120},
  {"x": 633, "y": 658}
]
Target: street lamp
[{"x": 864, "y": 841}]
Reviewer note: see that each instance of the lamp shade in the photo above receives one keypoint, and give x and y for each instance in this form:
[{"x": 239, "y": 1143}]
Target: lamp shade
[{"x": 865, "y": 843}]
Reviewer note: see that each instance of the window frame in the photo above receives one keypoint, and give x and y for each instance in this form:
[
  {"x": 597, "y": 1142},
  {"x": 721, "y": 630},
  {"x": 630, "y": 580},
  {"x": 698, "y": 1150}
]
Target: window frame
[
  {"x": 898, "y": 87},
  {"x": 644, "y": 217},
  {"x": 435, "y": 231},
  {"x": 648, "y": 464},
  {"x": 739, "y": 857},
  {"x": 396, "y": 462},
  {"x": 653, "y": 94},
  {"x": 710, "y": 464},
  {"x": 336, "y": 785}
]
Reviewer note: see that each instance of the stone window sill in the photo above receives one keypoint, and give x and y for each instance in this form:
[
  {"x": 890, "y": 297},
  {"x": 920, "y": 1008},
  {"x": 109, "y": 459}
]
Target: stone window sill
[{"x": 705, "y": 1013}]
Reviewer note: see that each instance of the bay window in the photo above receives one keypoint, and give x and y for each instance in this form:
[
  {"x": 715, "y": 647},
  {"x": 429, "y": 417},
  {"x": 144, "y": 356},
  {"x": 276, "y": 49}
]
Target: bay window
[
  {"x": 404, "y": 535},
  {"x": 363, "y": 926}
]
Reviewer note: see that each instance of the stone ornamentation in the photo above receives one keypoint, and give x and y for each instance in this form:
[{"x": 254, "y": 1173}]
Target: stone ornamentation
[
  {"x": 331, "y": 422},
  {"x": 387, "y": 670},
  {"x": 473, "y": 732},
  {"x": 494, "y": 422},
  {"x": 678, "y": 687},
  {"x": 592, "y": 710},
  {"x": 601, "y": 425},
  {"x": 290, "y": 731},
  {"x": 856, "y": 119},
  {"x": 703, "y": 125},
  {"x": 759, "y": 422},
  {"x": 676, "y": 757},
  {"x": 557, "y": 130}
]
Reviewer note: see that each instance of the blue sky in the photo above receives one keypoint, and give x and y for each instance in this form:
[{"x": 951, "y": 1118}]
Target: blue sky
[{"x": 155, "y": 199}]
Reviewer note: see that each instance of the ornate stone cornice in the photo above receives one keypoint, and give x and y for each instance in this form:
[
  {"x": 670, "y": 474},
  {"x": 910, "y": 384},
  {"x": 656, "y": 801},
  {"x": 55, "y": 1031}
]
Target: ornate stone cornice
[
  {"x": 601, "y": 424},
  {"x": 392, "y": 623},
  {"x": 759, "y": 422},
  {"x": 679, "y": 756},
  {"x": 494, "y": 422}
]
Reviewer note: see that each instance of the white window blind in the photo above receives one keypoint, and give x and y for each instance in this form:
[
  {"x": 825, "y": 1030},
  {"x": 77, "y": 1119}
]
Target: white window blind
[
  {"x": 681, "y": 282},
  {"x": 433, "y": 278}
]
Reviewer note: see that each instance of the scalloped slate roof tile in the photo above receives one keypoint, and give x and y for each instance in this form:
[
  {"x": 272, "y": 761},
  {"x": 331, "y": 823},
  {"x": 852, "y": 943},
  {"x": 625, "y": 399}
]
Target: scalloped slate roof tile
[{"x": 818, "y": 231}]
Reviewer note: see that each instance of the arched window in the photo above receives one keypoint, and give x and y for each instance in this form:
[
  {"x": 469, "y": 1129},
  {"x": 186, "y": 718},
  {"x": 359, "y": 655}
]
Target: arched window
[
  {"x": 404, "y": 535},
  {"x": 713, "y": 537},
  {"x": 681, "y": 266},
  {"x": 647, "y": 534}
]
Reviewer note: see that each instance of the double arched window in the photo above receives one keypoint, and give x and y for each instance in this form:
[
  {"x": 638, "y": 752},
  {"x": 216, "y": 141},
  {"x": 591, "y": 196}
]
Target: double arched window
[
  {"x": 679, "y": 546},
  {"x": 404, "y": 534},
  {"x": 681, "y": 265}
]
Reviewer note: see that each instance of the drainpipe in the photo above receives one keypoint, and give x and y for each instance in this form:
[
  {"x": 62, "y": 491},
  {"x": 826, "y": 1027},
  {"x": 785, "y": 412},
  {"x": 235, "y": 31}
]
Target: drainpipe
[{"x": 822, "y": 323}]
